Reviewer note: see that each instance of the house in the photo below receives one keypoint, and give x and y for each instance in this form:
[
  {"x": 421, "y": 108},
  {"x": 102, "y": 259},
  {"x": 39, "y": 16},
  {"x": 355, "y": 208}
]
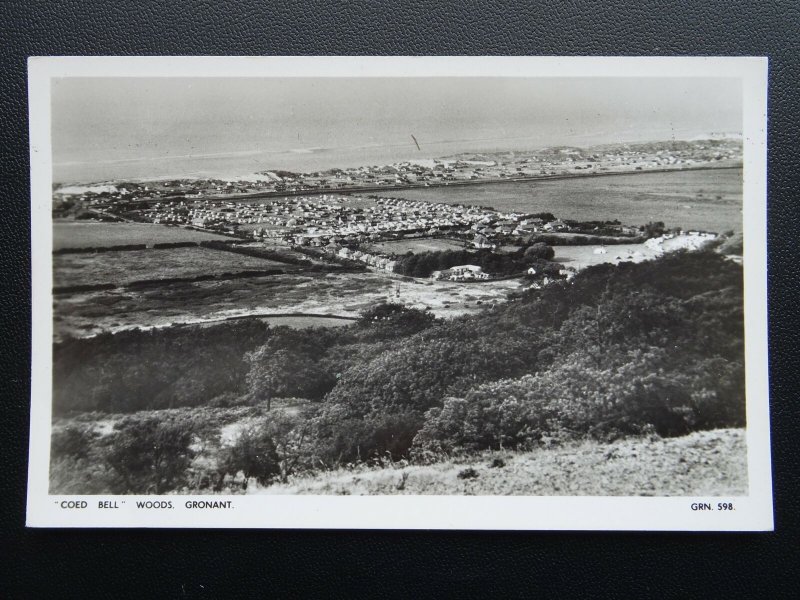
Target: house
[
  {"x": 481, "y": 241},
  {"x": 556, "y": 225},
  {"x": 467, "y": 272},
  {"x": 462, "y": 269}
]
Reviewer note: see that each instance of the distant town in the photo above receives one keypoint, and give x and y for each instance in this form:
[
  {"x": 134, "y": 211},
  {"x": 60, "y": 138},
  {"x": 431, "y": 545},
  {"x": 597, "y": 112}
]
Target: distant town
[{"x": 339, "y": 207}]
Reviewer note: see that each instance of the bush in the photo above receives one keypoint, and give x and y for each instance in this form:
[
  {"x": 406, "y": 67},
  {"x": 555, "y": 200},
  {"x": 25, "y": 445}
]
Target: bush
[
  {"x": 253, "y": 453},
  {"x": 342, "y": 436},
  {"x": 391, "y": 321},
  {"x": 539, "y": 250},
  {"x": 732, "y": 244},
  {"x": 631, "y": 393},
  {"x": 131, "y": 371},
  {"x": 150, "y": 454},
  {"x": 468, "y": 473},
  {"x": 74, "y": 441},
  {"x": 428, "y": 366},
  {"x": 83, "y": 476},
  {"x": 286, "y": 372}
]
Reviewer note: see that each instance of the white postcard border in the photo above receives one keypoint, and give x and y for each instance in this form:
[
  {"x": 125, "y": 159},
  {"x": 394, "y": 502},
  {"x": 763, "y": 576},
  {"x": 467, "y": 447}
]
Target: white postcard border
[{"x": 752, "y": 513}]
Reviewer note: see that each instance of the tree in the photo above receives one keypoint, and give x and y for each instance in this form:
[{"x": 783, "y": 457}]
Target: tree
[
  {"x": 285, "y": 372},
  {"x": 421, "y": 268},
  {"x": 392, "y": 320},
  {"x": 539, "y": 250},
  {"x": 654, "y": 229}
]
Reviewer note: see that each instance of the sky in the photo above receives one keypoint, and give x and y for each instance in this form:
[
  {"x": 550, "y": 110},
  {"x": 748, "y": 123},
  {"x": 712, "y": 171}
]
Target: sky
[{"x": 137, "y": 128}]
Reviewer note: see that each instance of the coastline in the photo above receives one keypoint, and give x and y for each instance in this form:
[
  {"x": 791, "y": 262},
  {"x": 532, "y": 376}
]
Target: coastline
[{"x": 410, "y": 186}]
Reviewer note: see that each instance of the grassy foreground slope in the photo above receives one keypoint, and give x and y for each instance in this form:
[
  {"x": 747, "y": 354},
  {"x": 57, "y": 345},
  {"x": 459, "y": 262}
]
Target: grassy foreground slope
[{"x": 703, "y": 463}]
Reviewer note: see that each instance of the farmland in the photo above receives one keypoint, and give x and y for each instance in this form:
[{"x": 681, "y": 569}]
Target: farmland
[
  {"x": 90, "y": 313},
  {"x": 699, "y": 199},
  {"x": 73, "y": 234},
  {"x": 580, "y": 257},
  {"x": 125, "y": 267}
]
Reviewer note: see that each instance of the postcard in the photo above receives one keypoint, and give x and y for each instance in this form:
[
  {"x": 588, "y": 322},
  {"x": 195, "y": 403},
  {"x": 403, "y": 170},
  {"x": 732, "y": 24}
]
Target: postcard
[{"x": 513, "y": 293}]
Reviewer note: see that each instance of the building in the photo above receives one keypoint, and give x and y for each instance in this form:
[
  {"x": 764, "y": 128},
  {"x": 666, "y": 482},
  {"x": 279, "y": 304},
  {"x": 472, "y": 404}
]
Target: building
[
  {"x": 481, "y": 241},
  {"x": 467, "y": 272}
]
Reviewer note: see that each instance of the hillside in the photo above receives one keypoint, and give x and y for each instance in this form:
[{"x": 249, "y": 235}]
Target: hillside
[
  {"x": 555, "y": 374},
  {"x": 702, "y": 463}
]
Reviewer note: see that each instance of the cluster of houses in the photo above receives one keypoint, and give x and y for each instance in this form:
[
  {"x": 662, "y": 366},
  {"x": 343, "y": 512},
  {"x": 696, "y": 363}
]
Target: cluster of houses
[
  {"x": 461, "y": 273},
  {"x": 376, "y": 261},
  {"x": 320, "y": 220},
  {"x": 330, "y": 221},
  {"x": 511, "y": 224}
]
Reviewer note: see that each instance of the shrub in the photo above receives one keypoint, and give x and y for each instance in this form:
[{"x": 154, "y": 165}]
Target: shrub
[
  {"x": 421, "y": 371},
  {"x": 286, "y": 372},
  {"x": 74, "y": 441},
  {"x": 632, "y": 393},
  {"x": 732, "y": 244},
  {"x": 468, "y": 473},
  {"x": 390, "y": 321},
  {"x": 150, "y": 453},
  {"x": 253, "y": 453},
  {"x": 479, "y": 423},
  {"x": 343, "y": 436},
  {"x": 539, "y": 250},
  {"x": 69, "y": 475}
]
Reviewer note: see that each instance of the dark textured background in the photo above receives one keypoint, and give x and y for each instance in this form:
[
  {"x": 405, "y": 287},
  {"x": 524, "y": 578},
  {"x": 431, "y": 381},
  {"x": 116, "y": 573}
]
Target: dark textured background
[{"x": 261, "y": 563}]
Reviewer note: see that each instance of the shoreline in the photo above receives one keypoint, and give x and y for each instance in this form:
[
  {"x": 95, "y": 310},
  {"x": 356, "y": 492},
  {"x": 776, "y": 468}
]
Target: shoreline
[
  {"x": 468, "y": 182},
  {"x": 412, "y": 186}
]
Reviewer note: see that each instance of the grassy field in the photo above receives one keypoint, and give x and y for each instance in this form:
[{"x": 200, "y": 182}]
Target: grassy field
[
  {"x": 304, "y": 322},
  {"x": 705, "y": 463},
  {"x": 136, "y": 265},
  {"x": 580, "y": 257},
  {"x": 704, "y": 199},
  {"x": 73, "y": 234},
  {"x": 415, "y": 246}
]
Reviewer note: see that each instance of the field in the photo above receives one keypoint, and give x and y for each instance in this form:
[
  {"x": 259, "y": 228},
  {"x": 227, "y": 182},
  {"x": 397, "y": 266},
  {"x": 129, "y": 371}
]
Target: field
[
  {"x": 73, "y": 234},
  {"x": 136, "y": 265},
  {"x": 90, "y": 313},
  {"x": 415, "y": 246},
  {"x": 705, "y": 463},
  {"x": 580, "y": 257},
  {"x": 710, "y": 199},
  {"x": 306, "y": 321}
]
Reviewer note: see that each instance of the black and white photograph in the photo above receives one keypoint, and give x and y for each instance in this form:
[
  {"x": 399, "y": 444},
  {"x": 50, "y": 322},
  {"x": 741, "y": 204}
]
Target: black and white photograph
[{"x": 485, "y": 288}]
